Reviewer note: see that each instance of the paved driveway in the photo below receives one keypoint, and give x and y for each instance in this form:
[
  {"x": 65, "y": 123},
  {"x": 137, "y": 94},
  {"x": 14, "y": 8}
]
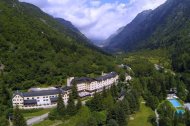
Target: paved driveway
[{"x": 37, "y": 119}]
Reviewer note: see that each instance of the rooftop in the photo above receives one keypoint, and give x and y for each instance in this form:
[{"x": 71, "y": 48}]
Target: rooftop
[
  {"x": 107, "y": 76},
  {"x": 89, "y": 80},
  {"x": 40, "y": 93}
]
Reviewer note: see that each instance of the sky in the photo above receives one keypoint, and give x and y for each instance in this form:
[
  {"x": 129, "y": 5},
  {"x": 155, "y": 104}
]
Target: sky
[{"x": 97, "y": 19}]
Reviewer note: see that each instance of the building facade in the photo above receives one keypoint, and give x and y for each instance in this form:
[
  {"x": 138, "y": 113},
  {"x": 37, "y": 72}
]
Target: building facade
[
  {"x": 39, "y": 99},
  {"x": 88, "y": 86}
]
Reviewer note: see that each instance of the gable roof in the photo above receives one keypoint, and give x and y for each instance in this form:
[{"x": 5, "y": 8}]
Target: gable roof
[{"x": 17, "y": 93}]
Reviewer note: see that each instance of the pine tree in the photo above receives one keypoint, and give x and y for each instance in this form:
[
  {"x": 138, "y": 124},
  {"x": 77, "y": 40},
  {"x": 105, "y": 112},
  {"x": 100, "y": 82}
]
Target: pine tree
[
  {"x": 114, "y": 91},
  {"x": 79, "y": 104},
  {"x": 96, "y": 103},
  {"x": 125, "y": 106},
  {"x": 112, "y": 122},
  {"x": 71, "y": 108},
  {"x": 92, "y": 122},
  {"x": 104, "y": 92},
  {"x": 108, "y": 101},
  {"x": 74, "y": 91},
  {"x": 18, "y": 119},
  {"x": 117, "y": 113},
  {"x": 60, "y": 105}
]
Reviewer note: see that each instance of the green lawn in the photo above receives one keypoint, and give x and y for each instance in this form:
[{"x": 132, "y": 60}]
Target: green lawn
[
  {"x": 48, "y": 123},
  {"x": 32, "y": 113},
  {"x": 141, "y": 117},
  {"x": 159, "y": 56}
]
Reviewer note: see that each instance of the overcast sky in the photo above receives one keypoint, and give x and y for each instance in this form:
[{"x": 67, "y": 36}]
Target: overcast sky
[{"x": 97, "y": 19}]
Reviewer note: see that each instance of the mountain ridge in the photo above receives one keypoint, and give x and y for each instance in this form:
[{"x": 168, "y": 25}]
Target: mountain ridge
[
  {"x": 143, "y": 27},
  {"x": 36, "y": 49}
]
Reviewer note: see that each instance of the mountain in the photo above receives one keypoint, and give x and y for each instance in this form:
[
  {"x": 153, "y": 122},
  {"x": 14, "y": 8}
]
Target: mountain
[
  {"x": 37, "y": 49},
  {"x": 67, "y": 24},
  {"x": 73, "y": 30},
  {"x": 150, "y": 28},
  {"x": 108, "y": 40}
]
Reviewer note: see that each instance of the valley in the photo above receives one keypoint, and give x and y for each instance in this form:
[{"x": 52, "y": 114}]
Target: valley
[{"x": 51, "y": 74}]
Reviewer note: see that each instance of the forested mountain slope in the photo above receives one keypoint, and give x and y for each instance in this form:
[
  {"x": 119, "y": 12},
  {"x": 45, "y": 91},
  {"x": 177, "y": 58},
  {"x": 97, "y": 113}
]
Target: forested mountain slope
[
  {"x": 166, "y": 27},
  {"x": 73, "y": 30},
  {"x": 154, "y": 29},
  {"x": 37, "y": 49}
]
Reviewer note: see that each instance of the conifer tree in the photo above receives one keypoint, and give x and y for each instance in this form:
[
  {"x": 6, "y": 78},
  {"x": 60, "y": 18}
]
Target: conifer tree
[
  {"x": 79, "y": 104},
  {"x": 96, "y": 103},
  {"x": 114, "y": 90},
  {"x": 74, "y": 91},
  {"x": 92, "y": 122},
  {"x": 104, "y": 92},
  {"x": 71, "y": 108},
  {"x": 18, "y": 119},
  {"x": 112, "y": 122},
  {"x": 60, "y": 105}
]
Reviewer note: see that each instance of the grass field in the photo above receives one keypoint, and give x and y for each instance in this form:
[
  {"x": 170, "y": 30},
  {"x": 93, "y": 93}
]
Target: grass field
[
  {"x": 48, "y": 123},
  {"x": 141, "y": 117},
  {"x": 32, "y": 113},
  {"x": 159, "y": 56}
]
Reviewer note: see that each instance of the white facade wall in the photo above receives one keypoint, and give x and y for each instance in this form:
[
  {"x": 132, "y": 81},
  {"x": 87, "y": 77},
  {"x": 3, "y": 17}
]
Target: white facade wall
[
  {"x": 128, "y": 78},
  {"x": 85, "y": 89},
  {"x": 42, "y": 101},
  {"x": 18, "y": 100},
  {"x": 81, "y": 87}
]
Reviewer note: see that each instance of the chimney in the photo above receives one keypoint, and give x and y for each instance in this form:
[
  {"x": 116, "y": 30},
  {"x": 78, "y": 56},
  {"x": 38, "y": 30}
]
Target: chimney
[{"x": 69, "y": 81}]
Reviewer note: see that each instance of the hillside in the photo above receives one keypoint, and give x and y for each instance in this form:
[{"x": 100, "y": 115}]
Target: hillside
[
  {"x": 167, "y": 27},
  {"x": 37, "y": 49},
  {"x": 153, "y": 28}
]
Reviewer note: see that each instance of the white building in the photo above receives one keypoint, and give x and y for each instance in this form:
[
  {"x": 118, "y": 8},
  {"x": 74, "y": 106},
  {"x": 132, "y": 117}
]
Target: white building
[
  {"x": 39, "y": 99},
  {"x": 88, "y": 86},
  {"x": 47, "y": 98},
  {"x": 128, "y": 77}
]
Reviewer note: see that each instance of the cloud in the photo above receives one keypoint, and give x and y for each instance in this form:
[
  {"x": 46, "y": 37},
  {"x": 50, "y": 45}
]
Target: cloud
[{"x": 97, "y": 19}]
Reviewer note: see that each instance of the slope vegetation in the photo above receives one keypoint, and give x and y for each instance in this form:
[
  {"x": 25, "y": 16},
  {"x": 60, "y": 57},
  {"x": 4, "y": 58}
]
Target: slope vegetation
[{"x": 37, "y": 49}]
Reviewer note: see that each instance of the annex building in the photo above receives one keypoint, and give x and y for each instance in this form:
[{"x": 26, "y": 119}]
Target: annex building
[{"x": 88, "y": 86}]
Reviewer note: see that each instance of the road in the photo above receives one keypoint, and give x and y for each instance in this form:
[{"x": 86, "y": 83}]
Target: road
[
  {"x": 157, "y": 117},
  {"x": 37, "y": 119}
]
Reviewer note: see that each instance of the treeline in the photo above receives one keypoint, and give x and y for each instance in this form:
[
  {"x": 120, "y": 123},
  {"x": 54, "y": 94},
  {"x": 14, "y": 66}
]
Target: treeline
[{"x": 5, "y": 104}]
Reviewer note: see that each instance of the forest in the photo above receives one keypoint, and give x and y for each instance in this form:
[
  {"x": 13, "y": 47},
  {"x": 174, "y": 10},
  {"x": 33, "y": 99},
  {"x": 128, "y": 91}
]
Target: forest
[{"x": 36, "y": 50}]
